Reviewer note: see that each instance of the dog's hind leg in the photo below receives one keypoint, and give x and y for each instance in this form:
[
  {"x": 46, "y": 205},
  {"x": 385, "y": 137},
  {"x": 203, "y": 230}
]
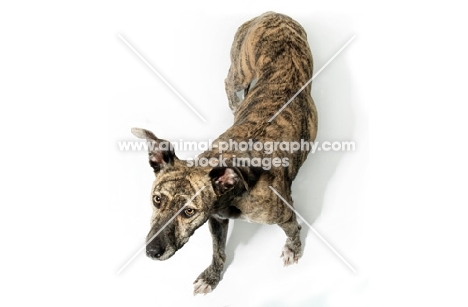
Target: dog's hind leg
[
  {"x": 241, "y": 72},
  {"x": 292, "y": 249},
  {"x": 209, "y": 279}
]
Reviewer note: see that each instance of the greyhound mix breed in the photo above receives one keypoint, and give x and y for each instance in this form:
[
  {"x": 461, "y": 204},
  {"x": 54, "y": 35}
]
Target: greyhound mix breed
[{"x": 272, "y": 50}]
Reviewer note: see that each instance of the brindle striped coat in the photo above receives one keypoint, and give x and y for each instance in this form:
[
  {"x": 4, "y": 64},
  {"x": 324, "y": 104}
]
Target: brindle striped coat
[{"x": 272, "y": 50}]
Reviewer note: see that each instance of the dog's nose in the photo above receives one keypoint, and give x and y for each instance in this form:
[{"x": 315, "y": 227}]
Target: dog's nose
[{"x": 154, "y": 252}]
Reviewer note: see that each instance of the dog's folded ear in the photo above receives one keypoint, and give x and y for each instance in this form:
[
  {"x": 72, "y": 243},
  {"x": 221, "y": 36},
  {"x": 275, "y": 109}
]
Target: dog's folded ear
[
  {"x": 225, "y": 179},
  {"x": 161, "y": 152}
]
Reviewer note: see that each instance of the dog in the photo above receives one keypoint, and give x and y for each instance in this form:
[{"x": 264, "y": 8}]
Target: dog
[{"x": 270, "y": 62}]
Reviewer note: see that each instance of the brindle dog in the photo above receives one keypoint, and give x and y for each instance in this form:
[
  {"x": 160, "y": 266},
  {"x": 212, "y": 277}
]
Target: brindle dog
[{"x": 273, "y": 50}]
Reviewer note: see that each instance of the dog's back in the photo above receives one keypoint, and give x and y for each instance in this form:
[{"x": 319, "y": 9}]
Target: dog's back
[{"x": 271, "y": 49}]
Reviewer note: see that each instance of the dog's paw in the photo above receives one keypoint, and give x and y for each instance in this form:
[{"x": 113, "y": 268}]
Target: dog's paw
[
  {"x": 289, "y": 257},
  {"x": 201, "y": 287}
]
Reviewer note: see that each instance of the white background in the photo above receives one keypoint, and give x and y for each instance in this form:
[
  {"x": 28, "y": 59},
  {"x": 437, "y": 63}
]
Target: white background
[{"x": 74, "y": 208}]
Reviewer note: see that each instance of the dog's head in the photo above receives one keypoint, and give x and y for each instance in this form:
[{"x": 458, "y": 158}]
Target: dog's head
[{"x": 183, "y": 196}]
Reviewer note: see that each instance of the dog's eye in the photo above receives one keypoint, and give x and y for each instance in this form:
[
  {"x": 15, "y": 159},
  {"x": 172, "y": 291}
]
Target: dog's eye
[
  {"x": 189, "y": 212},
  {"x": 157, "y": 200}
]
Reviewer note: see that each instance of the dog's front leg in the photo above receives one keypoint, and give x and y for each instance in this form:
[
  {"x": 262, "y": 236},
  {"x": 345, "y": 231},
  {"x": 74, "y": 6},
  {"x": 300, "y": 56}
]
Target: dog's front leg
[
  {"x": 209, "y": 279},
  {"x": 292, "y": 249}
]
